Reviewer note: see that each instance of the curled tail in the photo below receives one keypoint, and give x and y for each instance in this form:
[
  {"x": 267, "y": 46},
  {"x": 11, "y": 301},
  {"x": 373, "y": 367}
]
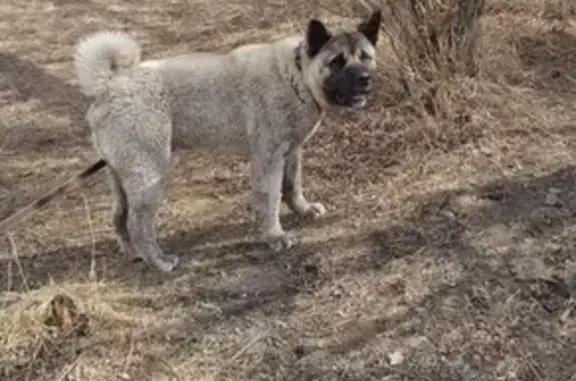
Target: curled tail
[{"x": 100, "y": 55}]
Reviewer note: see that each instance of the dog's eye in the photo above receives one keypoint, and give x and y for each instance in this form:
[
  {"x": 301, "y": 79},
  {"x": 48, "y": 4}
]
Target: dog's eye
[
  {"x": 364, "y": 56},
  {"x": 337, "y": 62}
]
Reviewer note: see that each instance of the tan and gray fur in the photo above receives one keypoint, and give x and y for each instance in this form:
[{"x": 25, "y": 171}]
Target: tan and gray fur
[{"x": 259, "y": 100}]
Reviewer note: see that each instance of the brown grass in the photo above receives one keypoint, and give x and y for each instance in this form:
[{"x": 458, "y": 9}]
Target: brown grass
[{"x": 448, "y": 253}]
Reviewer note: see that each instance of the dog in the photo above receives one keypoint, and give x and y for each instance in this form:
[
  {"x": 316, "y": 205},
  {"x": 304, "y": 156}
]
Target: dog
[{"x": 262, "y": 100}]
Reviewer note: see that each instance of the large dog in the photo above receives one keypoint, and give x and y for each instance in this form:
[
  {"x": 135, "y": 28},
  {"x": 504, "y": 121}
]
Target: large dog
[{"x": 261, "y": 100}]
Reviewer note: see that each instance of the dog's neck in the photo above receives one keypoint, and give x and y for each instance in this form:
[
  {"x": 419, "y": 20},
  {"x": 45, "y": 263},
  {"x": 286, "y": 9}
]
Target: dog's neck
[
  {"x": 298, "y": 57},
  {"x": 298, "y": 63}
]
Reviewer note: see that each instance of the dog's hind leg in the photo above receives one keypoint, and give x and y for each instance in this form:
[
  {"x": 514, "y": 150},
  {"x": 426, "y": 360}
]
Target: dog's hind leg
[
  {"x": 145, "y": 191},
  {"x": 139, "y": 157},
  {"x": 120, "y": 213}
]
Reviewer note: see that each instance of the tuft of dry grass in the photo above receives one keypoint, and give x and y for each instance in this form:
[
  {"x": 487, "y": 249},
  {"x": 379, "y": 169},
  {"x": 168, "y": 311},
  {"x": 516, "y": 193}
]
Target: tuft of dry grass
[
  {"x": 433, "y": 53},
  {"x": 25, "y": 321},
  {"x": 434, "y": 40}
]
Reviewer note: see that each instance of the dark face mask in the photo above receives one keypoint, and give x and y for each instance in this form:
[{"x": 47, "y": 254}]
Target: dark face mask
[{"x": 348, "y": 84}]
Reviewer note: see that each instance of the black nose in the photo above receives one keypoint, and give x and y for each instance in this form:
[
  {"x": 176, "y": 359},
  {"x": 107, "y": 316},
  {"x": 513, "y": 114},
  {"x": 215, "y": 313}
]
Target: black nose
[{"x": 364, "y": 79}]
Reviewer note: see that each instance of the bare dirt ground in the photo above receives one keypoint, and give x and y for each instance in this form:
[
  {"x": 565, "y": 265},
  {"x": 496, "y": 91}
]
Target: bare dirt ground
[{"x": 448, "y": 252}]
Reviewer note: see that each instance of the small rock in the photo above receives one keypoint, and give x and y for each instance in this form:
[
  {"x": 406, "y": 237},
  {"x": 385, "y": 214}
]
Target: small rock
[
  {"x": 552, "y": 199},
  {"x": 396, "y": 358},
  {"x": 300, "y": 351}
]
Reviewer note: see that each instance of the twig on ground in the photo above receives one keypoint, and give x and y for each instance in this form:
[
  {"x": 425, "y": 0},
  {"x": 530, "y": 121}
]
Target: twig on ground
[
  {"x": 71, "y": 367},
  {"x": 248, "y": 345},
  {"x": 14, "y": 251},
  {"x": 129, "y": 354},
  {"x": 92, "y": 274}
]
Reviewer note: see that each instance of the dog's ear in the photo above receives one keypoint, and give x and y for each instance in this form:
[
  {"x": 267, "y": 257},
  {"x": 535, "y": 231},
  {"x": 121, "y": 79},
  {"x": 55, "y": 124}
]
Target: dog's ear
[
  {"x": 316, "y": 37},
  {"x": 371, "y": 26}
]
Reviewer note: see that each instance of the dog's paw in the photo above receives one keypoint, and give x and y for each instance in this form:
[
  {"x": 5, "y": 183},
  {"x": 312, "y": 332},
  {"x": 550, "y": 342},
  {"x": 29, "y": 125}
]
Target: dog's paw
[
  {"x": 126, "y": 249},
  {"x": 316, "y": 210},
  {"x": 166, "y": 263},
  {"x": 279, "y": 242}
]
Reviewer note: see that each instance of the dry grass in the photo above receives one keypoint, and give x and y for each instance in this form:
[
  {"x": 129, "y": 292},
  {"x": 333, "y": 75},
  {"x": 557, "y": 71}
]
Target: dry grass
[{"x": 447, "y": 254}]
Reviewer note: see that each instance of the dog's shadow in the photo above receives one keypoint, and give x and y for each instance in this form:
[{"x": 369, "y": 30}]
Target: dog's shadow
[{"x": 217, "y": 247}]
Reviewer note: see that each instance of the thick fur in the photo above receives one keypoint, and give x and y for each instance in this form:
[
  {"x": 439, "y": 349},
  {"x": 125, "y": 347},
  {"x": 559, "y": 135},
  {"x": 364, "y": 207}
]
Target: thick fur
[
  {"x": 100, "y": 57},
  {"x": 260, "y": 100}
]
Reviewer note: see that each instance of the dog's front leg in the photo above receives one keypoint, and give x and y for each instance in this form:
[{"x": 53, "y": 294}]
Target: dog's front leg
[
  {"x": 267, "y": 166},
  {"x": 292, "y": 193}
]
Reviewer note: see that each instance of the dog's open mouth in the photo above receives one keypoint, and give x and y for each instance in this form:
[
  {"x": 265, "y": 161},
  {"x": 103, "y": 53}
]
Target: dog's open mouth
[
  {"x": 358, "y": 100},
  {"x": 354, "y": 100}
]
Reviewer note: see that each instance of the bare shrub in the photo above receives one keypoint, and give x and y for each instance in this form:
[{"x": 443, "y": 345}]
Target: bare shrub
[
  {"x": 559, "y": 9},
  {"x": 434, "y": 41}
]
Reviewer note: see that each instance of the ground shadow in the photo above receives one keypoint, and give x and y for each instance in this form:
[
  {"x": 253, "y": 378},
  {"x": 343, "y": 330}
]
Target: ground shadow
[
  {"x": 338, "y": 360},
  {"x": 485, "y": 231},
  {"x": 225, "y": 244},
  {"x": 440, "y": 229},
  {"x": 443, "y": 228},
  {"x": 25, "y": 81},
  {"x": 536, "y": 206},
  {"x": 272, "y": 281}
]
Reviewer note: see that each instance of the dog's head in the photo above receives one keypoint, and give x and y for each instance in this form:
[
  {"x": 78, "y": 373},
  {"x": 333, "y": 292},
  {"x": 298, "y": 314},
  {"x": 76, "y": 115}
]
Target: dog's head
[{"x": 339, "y": 67}]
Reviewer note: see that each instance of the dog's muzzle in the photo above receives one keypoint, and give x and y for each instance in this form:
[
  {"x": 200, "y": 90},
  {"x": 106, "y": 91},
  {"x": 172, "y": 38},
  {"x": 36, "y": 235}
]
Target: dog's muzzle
[
  {"x": 362, "y": 87},
  {"x": 350, "y": 87}
]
